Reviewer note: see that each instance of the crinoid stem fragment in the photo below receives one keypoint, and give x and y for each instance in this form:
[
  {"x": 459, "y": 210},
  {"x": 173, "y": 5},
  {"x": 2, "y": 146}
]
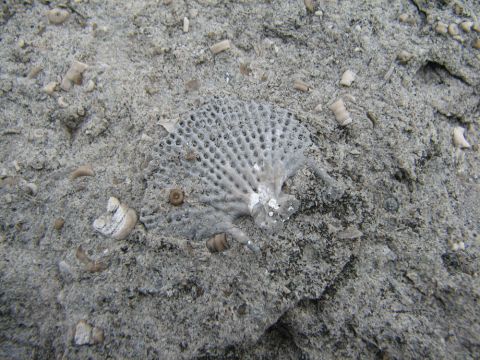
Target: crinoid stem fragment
[{"x": 341, "y": 114}]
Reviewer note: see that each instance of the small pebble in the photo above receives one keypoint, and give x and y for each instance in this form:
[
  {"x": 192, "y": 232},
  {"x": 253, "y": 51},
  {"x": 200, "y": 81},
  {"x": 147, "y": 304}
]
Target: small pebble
[
  {"x": 57, "y": 16},
  {"x": 58, "y": 224},
  {"x": 476, "y": 44},
  {"x": 476, "y": 27},
  {"x": 403, "y": 17},
  {"x": 186, "y": 24}
]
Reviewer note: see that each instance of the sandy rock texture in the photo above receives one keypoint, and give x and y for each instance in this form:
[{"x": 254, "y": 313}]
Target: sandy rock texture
[{"x": 387, "y": 269}]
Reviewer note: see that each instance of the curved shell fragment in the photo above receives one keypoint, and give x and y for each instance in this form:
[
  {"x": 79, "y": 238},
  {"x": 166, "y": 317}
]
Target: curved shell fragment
[
  {"x": 118, "y": 222},
  {"x": 459, "y": 138}
]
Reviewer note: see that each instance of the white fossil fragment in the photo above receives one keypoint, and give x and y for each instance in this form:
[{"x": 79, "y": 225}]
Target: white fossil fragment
[
  {"x": 301, "y": 85},
  {"x": 57, "y": 16},
  {"x": 348, "y": 78},
  {"x": 458, "y": 246},
  {"x": 90, "y": 86},
  {"x": 186, "y": 24},
  {"x": 459, "y": 138},
  {"x": 50, "y": 87},
  {"x": 341, "y": 113},
  {"x": 74, "y": 75},
  {"x": 118, "y": 222},
  {"x": 441, "y": 28},
  {"x": 466, "y": 26}
]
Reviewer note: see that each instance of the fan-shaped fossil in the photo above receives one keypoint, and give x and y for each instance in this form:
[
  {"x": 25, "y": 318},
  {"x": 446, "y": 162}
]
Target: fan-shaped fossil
[{"x": 245, "y": 153}]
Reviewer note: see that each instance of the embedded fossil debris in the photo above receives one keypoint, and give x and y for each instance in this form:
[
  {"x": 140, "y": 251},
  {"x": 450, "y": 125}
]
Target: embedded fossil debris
[
  {"x": 217, "y": 243},
  {"x": 176, "y": 197},
  {"x": 341, "y": 114},
  {"x": 246, "y": 151},
  {"x": 118, "y": 222},
  {"x": 459, "y": 138},
  {"x": 84, "y": 170}
]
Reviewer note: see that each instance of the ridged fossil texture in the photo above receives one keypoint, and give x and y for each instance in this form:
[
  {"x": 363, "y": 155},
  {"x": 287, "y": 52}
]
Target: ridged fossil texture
[{"x": 243, "y": 152}]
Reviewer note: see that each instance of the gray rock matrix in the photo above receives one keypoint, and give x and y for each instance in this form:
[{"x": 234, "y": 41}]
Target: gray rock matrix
[{"x": 387, "y": 268}]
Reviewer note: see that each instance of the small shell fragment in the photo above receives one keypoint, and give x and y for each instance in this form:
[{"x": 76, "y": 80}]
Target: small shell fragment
[
  {"x": 31, "y": 188},
  {"x": 84, "y": 170},
  {"x": 90, "y": 86},
  {"x": 218, "y": 243},
  {"x": 90, "y": 265},
  {"x": 341, "y": 114},
  {"x": 57, "y": 16},
  {"x": 50, "y": 87},
  {"x": 309, "y": 5},
  {"x": 459, "y": 138},
  {"x": 404, "y": 57},
  {"x": 404, "y": 17},
  {"x": 86, "y": 334},
  {"x": 220, "y": 46},
  {"x": 466, "y": 26},
  {"x": 186, "y": 24},
  {"x": 441, "y": 28},
  {"x": 62, "y": 103},
  {"x": 300, "y": 85},
  {"x": 32, "y": 74},
  {"x": 348, "y": 78},
  {"x": 453, "y": 29},
  {"x": 74, "y": 75},
  {"x": 118, "y": 222}
]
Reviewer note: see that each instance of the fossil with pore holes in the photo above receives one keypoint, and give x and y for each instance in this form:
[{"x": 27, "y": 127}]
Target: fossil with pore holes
[{"x": 243, "y": 152}]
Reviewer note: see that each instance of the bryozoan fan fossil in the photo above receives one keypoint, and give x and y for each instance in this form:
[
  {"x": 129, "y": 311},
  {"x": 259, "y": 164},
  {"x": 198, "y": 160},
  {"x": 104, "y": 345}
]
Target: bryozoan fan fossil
[{"x": 231, "y": 158}]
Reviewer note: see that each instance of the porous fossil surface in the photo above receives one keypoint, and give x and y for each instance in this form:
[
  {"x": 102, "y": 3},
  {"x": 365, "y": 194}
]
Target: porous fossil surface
[
  {"x": 385, "y": 268},
  {"x": 231, "y": 159}
]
